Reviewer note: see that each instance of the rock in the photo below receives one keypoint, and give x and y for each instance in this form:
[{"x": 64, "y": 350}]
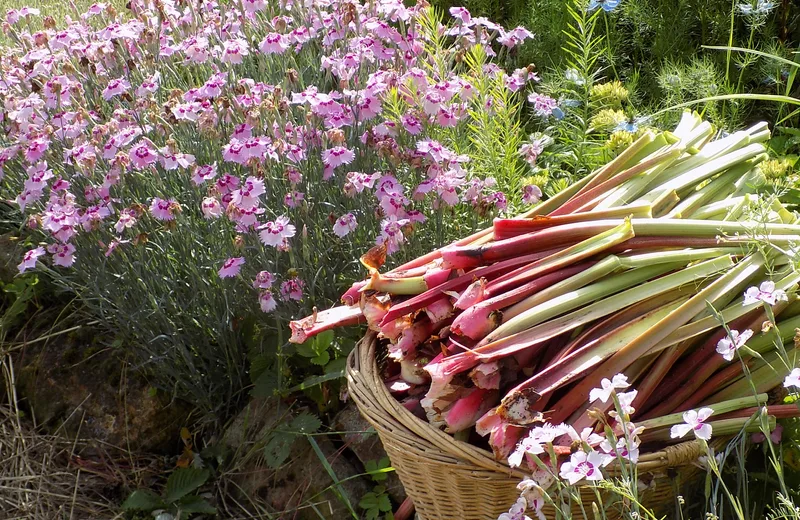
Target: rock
[
  {"x": 67, "y": 384},
  {"x": 302, "y": 482},
  {"x": 366, "y": 446}
]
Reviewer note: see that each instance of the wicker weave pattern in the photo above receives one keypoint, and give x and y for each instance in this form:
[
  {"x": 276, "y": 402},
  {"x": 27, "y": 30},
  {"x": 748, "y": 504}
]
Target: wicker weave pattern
[{"x": 453, "y": 480}]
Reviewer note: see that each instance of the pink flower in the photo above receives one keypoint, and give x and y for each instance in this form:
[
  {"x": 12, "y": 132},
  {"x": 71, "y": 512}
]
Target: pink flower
[
  {"x": 766, "y": 293},
  {"x": 411, "y": 124},
  {"x": 204, "y": 173},
  {"x": 276, "y": 233},
  {"x": 227, "y": 184},
  {"x": 728, "y": 345},
  {"x": 274, "y": 43},
  {"x": 267, "y": 302},
  {"x": 793, "y": 379},
  {"x": 531, "y": 194},
  {"x": 431, "y": 102},
  {"x": 447, "y": 117},
  {"x": 115, "y": 87},
  {"x": 231, "y": 267},
  {"x": 247, "y": 196},
  {"x": 253, "y": 6},
  {"x": 149, "y": 85},
  {"x": 517, "y": 511},
  {"x": 337, "y": 156},
  {"x": 62, "y": 254},
  {"x": 142, "y": 155},
  {"x": 211, "y": 208},
  {"x": 531, "y": 150},
  {"x": 582, "y": 465},
  {"x": 36, "y": 149},
  {"x": 30, "y": 258},
  {"x": 694, "y": 420},
  {"x": 542, "y": 105},
  {"x": 392, "y": 233},
  {"x": 173, "y": 161},
  {"x": 534, "y": 441},
  {"x": 264, "y": 280},
  {"x": 514, "y": 37},
  {"x": 774, "y": 436},
  {"x": 626, "y": 450},
  {"x": 293, "y": 199},
  {"x": 619, "y": 381},
  {"x": 127, "y": 219},
  {"x": 235, "y": 151},
  {"x": 345, "y": 224},
  {"x": 461, "y": 14},
  {"x": 163, "y": 209},
  {"x": 233, "y": 51},
  {"x": 293, "y": 289}
]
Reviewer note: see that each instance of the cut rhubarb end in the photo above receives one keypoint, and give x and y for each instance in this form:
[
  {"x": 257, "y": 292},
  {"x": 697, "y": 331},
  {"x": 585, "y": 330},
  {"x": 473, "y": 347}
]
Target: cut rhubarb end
[
  {"x": 467, "y": 410},
  {"x": 353, "y": 294},
  {"x": 472, "y": 295},
  {"x": 517, "y": 408},
  {"x": 321, "y": 321}
]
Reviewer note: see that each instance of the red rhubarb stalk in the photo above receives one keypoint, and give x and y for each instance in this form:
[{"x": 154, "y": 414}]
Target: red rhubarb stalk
[
  {"x": 480, "y": 319},
  {"x": 457, "y": 284},
  {"x": 321, "y": 321}
]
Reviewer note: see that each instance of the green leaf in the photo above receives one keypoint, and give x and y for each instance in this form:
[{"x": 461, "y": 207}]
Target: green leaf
[
  {"x": 194, "y": 504},
  {"x": 337, "y": 366},
  {"x": 266, "y": 384},
  {"x": 323, "y": 340},
  {"x": 322, "y": 358},
  {"x": 316, "y": 380},
  {"x": 307, "y": 349},
  {"x": 337, "y": 486},
  {"x": 184, "y": 481},
  {"x": 258, "y": 365},
  {"x": 306, "y": 423},
  {"x": 278, "y": 448},
  {"x": 143, "y": 500}
]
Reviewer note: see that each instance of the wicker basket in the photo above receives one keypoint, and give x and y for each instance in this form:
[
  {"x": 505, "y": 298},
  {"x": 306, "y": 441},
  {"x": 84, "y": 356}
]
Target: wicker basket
[{"x": 452, "y": 480}]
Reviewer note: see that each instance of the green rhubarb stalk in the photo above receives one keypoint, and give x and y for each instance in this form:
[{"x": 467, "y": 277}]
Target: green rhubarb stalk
[
  {"x": 619, "y": 319},
  {"x": 519, "y": 329},
  {"x": 712, "y": 150},
  {"x": 694, "y": 176},
  {"x": 718, "y": 407},
  {"x": 716, "y": 209},
  {"x": 604, "y": 267},
  {"x": 618, "y": 164},
  {"x": 720, "y": 186},
  {"x": 514, "y": 405},
  {"x": 573, "y": 254},
  {"x": 593, "y": 198},
  {"x": 729, "y": 314},
  {"x": 642, "y": 345},
  {"x": 721, "y": 428},
  {"x": 400, "y": 286}
]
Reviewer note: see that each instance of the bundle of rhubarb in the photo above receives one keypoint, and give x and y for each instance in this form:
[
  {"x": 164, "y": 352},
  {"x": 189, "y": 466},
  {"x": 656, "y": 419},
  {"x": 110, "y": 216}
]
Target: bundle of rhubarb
[{"x": 671, "y": 266}]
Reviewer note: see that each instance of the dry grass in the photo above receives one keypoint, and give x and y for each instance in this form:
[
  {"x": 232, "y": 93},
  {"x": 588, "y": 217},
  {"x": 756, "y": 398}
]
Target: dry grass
[{"x": 49, "y": 476}]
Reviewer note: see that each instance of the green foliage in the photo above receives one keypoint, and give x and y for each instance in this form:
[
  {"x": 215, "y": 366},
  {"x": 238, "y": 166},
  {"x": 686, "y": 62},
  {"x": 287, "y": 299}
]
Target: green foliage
[
  {"x": 279, "y": 442},
  {"x": 376, "y": 504},
  {"x": 179, "y": 498},
  {"x": 15, "y": 299}
]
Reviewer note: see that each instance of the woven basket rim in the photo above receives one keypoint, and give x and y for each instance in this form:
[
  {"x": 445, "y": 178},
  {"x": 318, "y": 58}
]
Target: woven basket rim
[{"x": 378, "y": 405}]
